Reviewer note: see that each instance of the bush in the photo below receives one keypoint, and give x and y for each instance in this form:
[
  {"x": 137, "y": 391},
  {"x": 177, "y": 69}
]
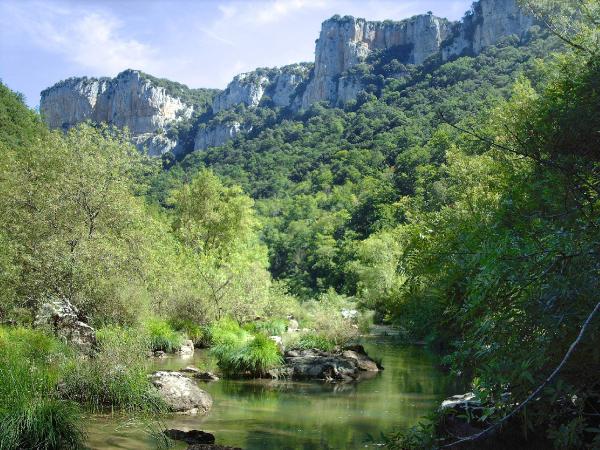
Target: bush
[
  {"x": 273, "y": 327},
  {"x": 242, "y": 353},
  {"x": 162, "y": 335},
  {"x": 31, "y": 414},
  {"x": 313, "y": 340},
  {"x": 116, "y": 377},
  {"x": 192, "y": 330}
]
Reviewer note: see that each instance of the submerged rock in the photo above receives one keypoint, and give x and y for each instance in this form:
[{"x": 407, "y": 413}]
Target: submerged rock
[
  {"x": 211, "y": 447},
  {"x": 315, "y": 364},
  {"x": 199, "y": 374},
  {"x": 180, "y": 393},
  {"x": 62, "y": 319},
  {"x": 190, "y": 437}
]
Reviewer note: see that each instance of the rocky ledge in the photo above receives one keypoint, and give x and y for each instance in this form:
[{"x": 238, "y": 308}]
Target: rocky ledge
[
  {"x": 313, "y": 364},
  {"x": 180, "y": 393}
]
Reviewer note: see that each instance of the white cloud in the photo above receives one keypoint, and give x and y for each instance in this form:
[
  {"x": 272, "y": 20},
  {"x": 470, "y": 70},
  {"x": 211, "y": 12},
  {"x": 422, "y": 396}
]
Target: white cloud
[
  {"x": 91, "y": 39},
  {"x": 273, "y": 10}
]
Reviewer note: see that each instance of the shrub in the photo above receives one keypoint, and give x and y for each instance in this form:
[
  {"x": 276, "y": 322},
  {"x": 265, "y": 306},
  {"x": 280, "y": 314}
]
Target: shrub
[
  {"x": 242, "y": 353},
  {"x": 192, "y": 330},
  {"x": 162, "y": 336},
  {"x": 31, "y": 414},
  {"x": 313, "y": 340},
  {"x": 273, "y": 327},
  {"x": 116, "y": 377}
]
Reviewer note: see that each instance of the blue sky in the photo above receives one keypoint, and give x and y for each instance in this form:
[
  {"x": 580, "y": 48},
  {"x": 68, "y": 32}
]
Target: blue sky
[{"x": 199, "y": 43}]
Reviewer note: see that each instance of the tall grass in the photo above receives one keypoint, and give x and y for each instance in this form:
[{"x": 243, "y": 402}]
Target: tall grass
[
  {"x": 273, "y": 327},
  {"x": 162, "y": 336},
  {"x": 192, "y": 330},
  {"x": 313, "y": 340},
  {"x": 31, "y": 414},
  {"x": 242, "y": 353},
  {"x": 116, "y": 378}
]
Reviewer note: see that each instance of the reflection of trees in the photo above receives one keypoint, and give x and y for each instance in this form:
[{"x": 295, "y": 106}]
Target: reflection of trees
[{"x": 273, "y": 414}]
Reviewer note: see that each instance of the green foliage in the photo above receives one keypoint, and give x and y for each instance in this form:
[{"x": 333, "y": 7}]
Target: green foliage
[
  {"x": 272, "y": 327},
  {"x": 162, "y": 336},
  {"x": 241, "y": 353},
  {"x": 31, "y": 413},
  {"x": 116, "y": 378},
  {"x": 191, "y": 330},
  {"x": 310, "y": 340}
]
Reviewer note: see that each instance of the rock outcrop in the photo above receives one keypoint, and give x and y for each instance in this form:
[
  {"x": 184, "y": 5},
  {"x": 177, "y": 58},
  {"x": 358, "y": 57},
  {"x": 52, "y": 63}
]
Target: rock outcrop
[
  {"x": 62, "y": 319},
  {"x": 485, "y": 25},
  {"x": 313, "y": 364},
  {"x": 135, "y": 100},
  {"x": 190, "y": 437},
  {"x": 347, "y": 41},
  {"x": 180, "y": 393},
  {"x": 279, "y": 84},
  {"x": 128, "y": 100},
  {"x": 217, "y": 133}
]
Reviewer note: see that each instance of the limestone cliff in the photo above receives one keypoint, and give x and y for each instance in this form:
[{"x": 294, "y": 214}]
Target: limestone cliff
[
  {"x": 279, "y": 84},
  {"x": 346, "y": 41},
  {"x": 487, "y": 23},
  {"x": 149, "y": 110},
  {"x": 128, "y": 100}
]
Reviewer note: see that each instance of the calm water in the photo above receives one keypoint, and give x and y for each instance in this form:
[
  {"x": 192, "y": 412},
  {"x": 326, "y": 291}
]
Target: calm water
[{"x": 280, "y": 415}]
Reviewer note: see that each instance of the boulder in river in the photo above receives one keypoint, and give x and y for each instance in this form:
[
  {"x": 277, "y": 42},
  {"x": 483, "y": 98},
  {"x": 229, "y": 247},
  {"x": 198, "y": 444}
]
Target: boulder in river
[
  {"x": 199, "y": 374},
  {"x": 63, "y": 319},
  {"x": 190, "y": 437},
  {"x": 180, "y": 393},
  {"x": 345, "y": 365},
  {"x": 186, "y": 349}
]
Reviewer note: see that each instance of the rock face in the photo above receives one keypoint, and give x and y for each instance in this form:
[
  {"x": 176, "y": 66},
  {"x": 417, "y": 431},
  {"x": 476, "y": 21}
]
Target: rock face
[
  {"x": 344, "y": 42},
  {"x": 314, "y": 364},
  {"x": 279, "y": 84},
  {"x": 128, "y": 100},
  {"x": 131, "y": 99},
  {"x": 61, "y": 318},
  {"x": 180, "y": 393},
  {"x": 488, "y": 22},
  {"x": 217, "y": 133}
]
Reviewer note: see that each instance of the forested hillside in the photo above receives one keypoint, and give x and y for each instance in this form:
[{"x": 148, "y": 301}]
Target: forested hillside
[{"x": 455, "y": 200}]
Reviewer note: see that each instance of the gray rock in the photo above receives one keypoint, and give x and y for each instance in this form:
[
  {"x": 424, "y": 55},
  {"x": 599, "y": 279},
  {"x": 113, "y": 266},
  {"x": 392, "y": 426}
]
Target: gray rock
[
  {"x": 180, "y": 393},
  {"x": 62, "y": 319},
  {"x": 186, "y": 349},
  {"x": 315, "y": 364},
  {"x": 217, "y": 133},
  {"x": 293, "y": 325},
  {"x": 491, "y": 21},
  {"x": 200, "y": 375},
  {"x": 128, "y": 100},
  {"x": 345, "y": 42}
]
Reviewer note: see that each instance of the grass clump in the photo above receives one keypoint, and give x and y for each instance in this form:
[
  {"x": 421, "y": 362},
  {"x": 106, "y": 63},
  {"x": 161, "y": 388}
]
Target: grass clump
[
  {"x": 162, "y": 335},
  {"x": 240, "y": 352},
  {"x": 31, "y": 413},
  {"x": 313, "y": 340},
  {"x": 192, "y": 330},
  {"x": 273, "y": 327},
  {"x": 116, "y": 378}
]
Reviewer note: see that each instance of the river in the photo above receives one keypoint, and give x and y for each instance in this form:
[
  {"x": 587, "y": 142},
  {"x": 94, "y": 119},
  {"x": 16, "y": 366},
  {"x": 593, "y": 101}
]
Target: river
[{"x": 268, "y": 415}]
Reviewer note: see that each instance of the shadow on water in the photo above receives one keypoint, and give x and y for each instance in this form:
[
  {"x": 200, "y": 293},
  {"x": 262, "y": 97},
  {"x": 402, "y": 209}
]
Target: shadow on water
[{"x": 266, "y": 415}]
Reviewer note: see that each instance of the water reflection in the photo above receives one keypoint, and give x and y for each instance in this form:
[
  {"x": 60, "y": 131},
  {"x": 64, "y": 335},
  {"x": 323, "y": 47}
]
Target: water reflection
[{"x": 263, "y": 414}]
